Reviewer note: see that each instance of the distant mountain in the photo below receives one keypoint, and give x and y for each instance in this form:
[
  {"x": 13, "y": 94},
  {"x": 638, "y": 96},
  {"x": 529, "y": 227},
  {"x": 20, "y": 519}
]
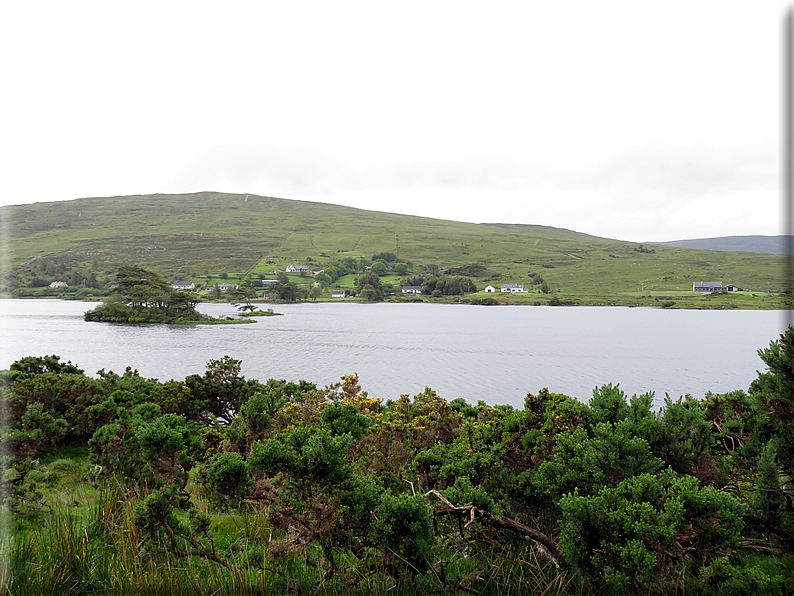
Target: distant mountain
[{"x": 773, "y": 245}]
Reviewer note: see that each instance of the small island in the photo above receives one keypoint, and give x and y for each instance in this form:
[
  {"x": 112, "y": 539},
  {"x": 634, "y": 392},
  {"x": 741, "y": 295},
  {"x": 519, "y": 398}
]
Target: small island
[
  {"x": 263, "y": 313},
  {"x": 141, "y": 296}
]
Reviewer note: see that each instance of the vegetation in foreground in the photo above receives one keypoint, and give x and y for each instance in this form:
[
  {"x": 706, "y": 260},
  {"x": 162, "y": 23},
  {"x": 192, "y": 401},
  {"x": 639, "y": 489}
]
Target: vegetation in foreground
[
  {"x": 217, "y": 238},
  {"x": 219, "y": 484}
]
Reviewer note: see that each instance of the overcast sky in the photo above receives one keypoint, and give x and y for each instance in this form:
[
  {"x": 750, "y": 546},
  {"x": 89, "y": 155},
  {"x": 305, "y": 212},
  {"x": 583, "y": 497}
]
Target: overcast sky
[{"x": 630, "y": 120}]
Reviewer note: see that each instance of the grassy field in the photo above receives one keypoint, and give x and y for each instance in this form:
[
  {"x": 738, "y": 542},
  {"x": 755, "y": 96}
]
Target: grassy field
[{"x": 193, "y": 237}]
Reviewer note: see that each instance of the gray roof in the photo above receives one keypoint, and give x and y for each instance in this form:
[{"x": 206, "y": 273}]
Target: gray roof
[{"x": 708, "y": 284}]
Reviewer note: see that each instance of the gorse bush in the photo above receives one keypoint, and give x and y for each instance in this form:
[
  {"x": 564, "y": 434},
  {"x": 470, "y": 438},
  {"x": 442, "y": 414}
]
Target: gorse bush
[{"x": 637, "y": 533}]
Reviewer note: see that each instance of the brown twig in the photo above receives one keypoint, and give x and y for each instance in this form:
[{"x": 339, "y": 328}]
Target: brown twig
[{"x": 498, "y": 521}]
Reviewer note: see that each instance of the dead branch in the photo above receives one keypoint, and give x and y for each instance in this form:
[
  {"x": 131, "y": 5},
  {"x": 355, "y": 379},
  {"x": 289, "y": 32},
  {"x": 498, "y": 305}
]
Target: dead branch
[
  {"x": 498, "y": 521},
  {"x": 761, "y": 546}
]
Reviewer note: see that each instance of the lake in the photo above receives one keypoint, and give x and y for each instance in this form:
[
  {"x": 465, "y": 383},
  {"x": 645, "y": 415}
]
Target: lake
[{"x": 497, "y": 354}]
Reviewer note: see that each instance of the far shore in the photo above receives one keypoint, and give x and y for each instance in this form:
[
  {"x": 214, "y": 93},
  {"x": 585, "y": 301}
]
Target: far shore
[{"x": 682, "y": 301}]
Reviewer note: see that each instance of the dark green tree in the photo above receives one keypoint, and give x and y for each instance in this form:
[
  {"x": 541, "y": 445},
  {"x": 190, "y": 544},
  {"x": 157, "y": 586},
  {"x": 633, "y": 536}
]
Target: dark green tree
[
  {"x": 379, "y": 268},
  {"x": 222, "y": 388},
  {"x": 767, "y": 501},
  {"x": 324, "y": 279},
  {"x": 289, "y": 292},
  {"x": 369, "y": 286},
  {"x": 775, "y": 391}
]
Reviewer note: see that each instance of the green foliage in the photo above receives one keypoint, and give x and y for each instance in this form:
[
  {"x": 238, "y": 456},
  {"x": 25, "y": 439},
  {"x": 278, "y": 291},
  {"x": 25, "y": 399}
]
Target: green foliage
[
  {"x": 741, "y": 425},
  {"x": 679, "y": 433},
  {"x": 368, "y": 286},
  {"x": 587, "y": 463},
  {"x": 633, "y": 535},
  {"x": 608, "y": 404},
  {"x": 775, "y": 392},
  {"x": 21, "y": 490},
  {"x": 767, "y": 501},
  {"x": 725, "y": 579},
  {"x": 379, "y": 268},
  {"x": 404, "y": 530},
  {"x": 221, "y": 390},
  {"x": 36, "y": 365},
  {"x": 463, "y": 493},
  {"x": 308, "y": 456},
  {"x": 288, "y": 291},
  {"x": 324, "y": 279},
  {"x": 36, "y": 428},
  {"x": 344, "y": 419},
  {"x": 168, "y": 446},
  {"x": 229, "y": 477},
  {"x": 64, "y": 396},
  {"x": 685, "y": 438},
  {"x": 142, "y": 296},
  {"x": 444, "y": 285}
]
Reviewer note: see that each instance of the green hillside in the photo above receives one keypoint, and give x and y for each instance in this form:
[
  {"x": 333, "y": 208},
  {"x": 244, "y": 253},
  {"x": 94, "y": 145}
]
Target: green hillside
[{"x": 193, "y": 236}]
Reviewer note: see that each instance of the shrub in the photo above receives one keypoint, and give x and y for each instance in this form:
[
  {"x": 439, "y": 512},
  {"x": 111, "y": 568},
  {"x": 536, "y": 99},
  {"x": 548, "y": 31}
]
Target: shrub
[
  {"x": 404, "y": 530},
  {"x": 635, "y": 534},
  {"x": 229, "y": 477}
]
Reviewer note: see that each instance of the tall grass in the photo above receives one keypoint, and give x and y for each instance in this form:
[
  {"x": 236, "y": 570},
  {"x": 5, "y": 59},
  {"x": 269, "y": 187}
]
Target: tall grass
[
  {"x": 102, "y": 553},
  {"x": 98, "y": 550}
]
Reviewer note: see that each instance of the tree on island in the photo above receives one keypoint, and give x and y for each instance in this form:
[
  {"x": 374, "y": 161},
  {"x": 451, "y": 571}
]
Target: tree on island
[
  {"x": 241, "y": 297},
  {"x": 142, "y": 296}
]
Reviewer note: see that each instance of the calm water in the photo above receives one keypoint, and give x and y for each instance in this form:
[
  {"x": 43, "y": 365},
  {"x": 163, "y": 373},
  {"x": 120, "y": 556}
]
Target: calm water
[{"x": 496, "y": 354}]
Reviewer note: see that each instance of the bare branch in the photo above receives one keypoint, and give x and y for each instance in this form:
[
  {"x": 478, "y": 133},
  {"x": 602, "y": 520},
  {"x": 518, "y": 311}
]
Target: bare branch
[{"x": 498, "y": 521}]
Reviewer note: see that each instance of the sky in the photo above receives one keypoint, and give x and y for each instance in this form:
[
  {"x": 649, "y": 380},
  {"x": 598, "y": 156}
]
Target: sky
[{"x": 629, "y": 120}]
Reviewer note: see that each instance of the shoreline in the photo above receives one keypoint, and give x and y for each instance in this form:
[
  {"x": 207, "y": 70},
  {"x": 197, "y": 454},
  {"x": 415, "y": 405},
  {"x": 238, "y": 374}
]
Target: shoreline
[
  {"x": 780, "y": 303},
  {"x": 666, "y": 302}
]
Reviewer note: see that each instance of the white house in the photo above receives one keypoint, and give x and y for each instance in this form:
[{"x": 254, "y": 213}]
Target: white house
[
  {"x": 59, "y": 284},
  {"x": 297, "y": 268},
  {"x": 514, "y": 288},
  {"x": 490, "y": 289},
  {"x": 710, "y": 287},
  {"x": 224, "y": 287},
  {"x": 337, "y": 293},
  {"x": 412, "y": 289},
  {"x": 183, "y": 285}
]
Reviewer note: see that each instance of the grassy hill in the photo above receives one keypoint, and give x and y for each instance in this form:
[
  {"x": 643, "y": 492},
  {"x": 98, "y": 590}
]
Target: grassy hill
[
  {"x": 190, "y": 237},
  {"x": 776, "y": 245}
]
